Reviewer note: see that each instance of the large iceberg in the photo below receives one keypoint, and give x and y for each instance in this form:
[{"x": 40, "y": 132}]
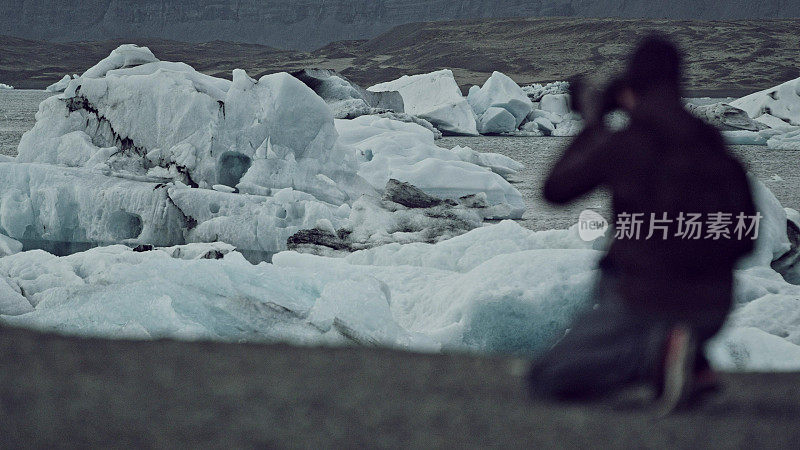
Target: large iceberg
[
  {"x": 435, "y": 97},
  {"x": 500, "y": 92},
  {"x": 134, "y": 114},
  {"x": 147, "y": 152}
]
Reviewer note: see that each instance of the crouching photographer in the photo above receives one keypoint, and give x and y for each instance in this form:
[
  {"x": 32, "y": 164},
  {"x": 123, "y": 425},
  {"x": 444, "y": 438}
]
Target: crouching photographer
[{"x": 683, "y": 215}]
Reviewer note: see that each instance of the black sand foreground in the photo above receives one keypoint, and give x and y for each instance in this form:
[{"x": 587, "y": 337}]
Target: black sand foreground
[{"x": 66, "y": 392}]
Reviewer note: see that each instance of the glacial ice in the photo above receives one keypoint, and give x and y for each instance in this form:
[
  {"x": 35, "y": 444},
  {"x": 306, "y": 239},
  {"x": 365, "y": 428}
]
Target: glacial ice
[
  {"x": 6, "y": 86},
  {"x": 500, "y": 91},
  {"x": 112, "y": 158},
  {"x": 9, "y": 246},
  {"x": 60, "y": 85},
  {"x": 435, "y": 97},
  {"x": 782, "y": 101},
  {"x": 164, "y": 119},
  {"x": 346, "y": 99},
  {"x": 496, "y": 120},
  {"x": 407, "y": 152},
  {"x": 497, "y": 288},
  {"x": 403, "y": 215},
  {"x": 536, "y": 91},
  {"x": 787, "y": 141},
  {"x": 778, "y": 110}
]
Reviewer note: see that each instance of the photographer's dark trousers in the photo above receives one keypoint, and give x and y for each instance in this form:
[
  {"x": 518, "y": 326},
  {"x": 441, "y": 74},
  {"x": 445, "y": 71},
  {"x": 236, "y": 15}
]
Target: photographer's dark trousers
[{"x": 608, "y": 347}]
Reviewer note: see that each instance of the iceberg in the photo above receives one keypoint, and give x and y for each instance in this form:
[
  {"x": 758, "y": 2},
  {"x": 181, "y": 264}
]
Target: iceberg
[
  {"x": 6, "y": 86},
  {"x": 406, "y": 152},
  {"x": 536, "y": 91},
  {"x": 500, "y": 91},
  {"x": 726, "y": 117},
  {"x": 496, "y": 120},
  {"x": 133, "y": 114},
  {"x": 146, "y": 152},
  {"x": 788, "y": 141},
  {"x": 782, "y": 101},
  {"x": 434, "y": 97}
]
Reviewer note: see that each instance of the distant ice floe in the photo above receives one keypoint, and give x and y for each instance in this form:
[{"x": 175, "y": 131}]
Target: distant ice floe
[
  {"x": 773, "y": 114},
  {"x": 6, "y": 86},
  {"x": 436, "y": 98},
  {"x": 503, "y": 107}
]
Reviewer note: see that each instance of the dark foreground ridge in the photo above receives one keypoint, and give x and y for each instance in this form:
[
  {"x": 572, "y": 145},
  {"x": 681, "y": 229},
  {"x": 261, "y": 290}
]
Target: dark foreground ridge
[{"x": 88, "y": 392}]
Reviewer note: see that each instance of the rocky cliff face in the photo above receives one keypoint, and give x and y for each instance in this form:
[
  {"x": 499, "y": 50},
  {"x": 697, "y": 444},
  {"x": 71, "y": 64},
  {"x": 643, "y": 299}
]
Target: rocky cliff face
[{"x": 307, "y": 24}]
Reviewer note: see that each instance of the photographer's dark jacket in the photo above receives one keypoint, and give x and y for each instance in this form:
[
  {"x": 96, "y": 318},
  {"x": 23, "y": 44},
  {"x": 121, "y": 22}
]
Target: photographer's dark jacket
[{"x": 665, "y": 162}]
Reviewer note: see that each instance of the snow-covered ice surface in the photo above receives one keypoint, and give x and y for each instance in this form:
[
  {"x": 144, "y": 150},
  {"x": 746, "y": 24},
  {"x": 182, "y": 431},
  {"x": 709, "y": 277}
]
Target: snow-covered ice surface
[{"x": 435, "y": 97}]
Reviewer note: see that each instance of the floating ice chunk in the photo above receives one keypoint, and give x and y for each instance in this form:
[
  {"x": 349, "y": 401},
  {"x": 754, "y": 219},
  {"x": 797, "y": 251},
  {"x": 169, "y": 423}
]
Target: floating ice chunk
[
  {"x": 555, "y": 103},
  {"x": 502, "y": 92},
  {"x": 553, "y": 118},
  {"x": 725, "y": 117},
  {"x": 745, "y": 137},
  {"x": 535, "y": 92},
  {"x": 545, "y": 125},
  {"x": 568, "y": 128},
  {"x": 782, "y": 101},
  {"x": 406, "y": 152},
  {"x": 435, "y": 97},
  {"x": 787, "y": 141},
  {"x": 499, "y": 164},
  {"x": 496, "y": 120},
  {"x": 6, "y": 86}
]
